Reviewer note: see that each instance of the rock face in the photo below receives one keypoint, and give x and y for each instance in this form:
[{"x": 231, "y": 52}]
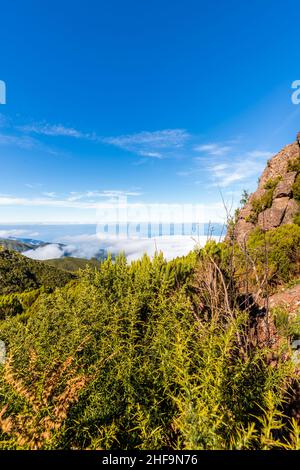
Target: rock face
[
  {"x": 284, "y": 187},
  {"x": 272, "y": 204},
  {"x": 273, "y": 217}
]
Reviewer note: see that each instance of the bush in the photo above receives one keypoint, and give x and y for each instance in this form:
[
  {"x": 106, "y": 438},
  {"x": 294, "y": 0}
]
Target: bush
[
  {"x": 244, "y": 197},
  {"x": 282, "y": 248},
  {"x": 272, "y": 182},
  {"x": 294, "y": 165},
  {"x": 286, "y": 326},
  {"x": 296, "y": 220},
  {"x": 15, "y": 304},
  {"x": 262, "y": 203},
  {"x": 296, "y": 188}
]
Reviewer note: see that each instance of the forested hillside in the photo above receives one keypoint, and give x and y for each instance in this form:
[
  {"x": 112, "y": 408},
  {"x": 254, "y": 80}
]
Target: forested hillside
[
  {"x": 22, "y": 280},
  {"x": 72, "y": 264},
  {"x": 19, "y": 274}
]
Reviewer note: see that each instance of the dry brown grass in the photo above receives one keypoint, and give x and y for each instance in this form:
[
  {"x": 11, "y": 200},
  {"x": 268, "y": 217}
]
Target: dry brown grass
[{"x": 47, "y": 406}]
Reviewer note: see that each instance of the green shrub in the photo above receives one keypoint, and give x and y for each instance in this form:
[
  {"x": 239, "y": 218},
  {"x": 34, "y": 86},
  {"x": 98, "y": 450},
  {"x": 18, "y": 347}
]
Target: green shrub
[
  {"x": 294, "y": 165},
  {"x": 297, "y": 219},
  {"x": 296, "y": 188},
  {"x": 281, "y": 246},
  {"x": 15, "y": 304},
  {"x": 10, "y": 305},
  {"x": 264, "y": 202},
  {"x": 272, "y": 182},
  {"x": 287, "y": 326},
  {"x": 244, "y": 197}
]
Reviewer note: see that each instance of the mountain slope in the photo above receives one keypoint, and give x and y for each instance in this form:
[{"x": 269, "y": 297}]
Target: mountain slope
[
  {"x": 20, "y": 245},
  {"x": 72, "y": 264},
  {"x": 20, "y": 274}
]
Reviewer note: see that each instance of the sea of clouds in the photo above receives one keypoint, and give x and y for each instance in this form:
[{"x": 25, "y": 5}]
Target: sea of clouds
[
  {"x": 88, "y": 246},
  {"x": 62, "y": 241}
]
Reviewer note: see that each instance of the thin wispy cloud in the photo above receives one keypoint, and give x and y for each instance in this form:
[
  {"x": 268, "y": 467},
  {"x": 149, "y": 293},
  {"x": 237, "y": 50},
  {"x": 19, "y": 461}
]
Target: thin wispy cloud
[
  {"x": 56, "y": 130},
  {"x": 4, "y": 121},
  {"x": 243, "y": 167},
  {"x": 92, "y": 195},
  {"x": 150, "y": 154},
  {"x": 33, "y": 185},
  {"x": 159, "y": 139},
  {"x": 79, "y": 200},
  {"x": 23, "y": 142},
  {"x": 156, "y": 144},
  {"x": 44, "y": 202},
  {"x": 49, "y": 194},
  {"x": 147, "y": 144},
  {"x": 18, "y": 233},
  {"x": 214, "y": 149},
  {"x": 225, "y": 164},
  {"x": 150, "y": 144},
  {"x": 260, "y": 154},
  {"x": 221, "y": 164}
]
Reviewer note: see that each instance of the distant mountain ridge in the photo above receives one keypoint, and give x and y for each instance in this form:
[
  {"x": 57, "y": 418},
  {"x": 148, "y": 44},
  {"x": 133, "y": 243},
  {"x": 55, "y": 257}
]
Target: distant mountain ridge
[
  {"x": 67, "y": 261},
  {"x": 21, "y": 244},
  {"x": 71, "y": 264}
]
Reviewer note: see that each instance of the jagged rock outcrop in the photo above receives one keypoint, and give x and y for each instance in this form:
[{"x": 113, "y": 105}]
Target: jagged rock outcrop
[{"x": 273, "y": 203}]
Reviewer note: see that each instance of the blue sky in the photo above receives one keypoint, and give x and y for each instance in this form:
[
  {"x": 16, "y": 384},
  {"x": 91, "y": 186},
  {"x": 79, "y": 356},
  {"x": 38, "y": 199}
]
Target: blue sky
[{"x": 163, "y": 101}]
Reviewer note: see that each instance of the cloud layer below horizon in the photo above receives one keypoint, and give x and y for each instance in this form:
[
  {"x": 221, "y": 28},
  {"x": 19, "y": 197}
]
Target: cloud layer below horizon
[{"x": 87, "y": 246}]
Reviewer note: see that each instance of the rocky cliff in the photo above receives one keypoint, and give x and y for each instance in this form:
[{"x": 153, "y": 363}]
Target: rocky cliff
[{"x": 275, "y": 202}]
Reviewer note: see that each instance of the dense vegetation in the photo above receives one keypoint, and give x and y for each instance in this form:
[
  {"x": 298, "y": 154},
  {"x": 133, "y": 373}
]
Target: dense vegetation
[
  {"x": 149, "y": 355},
  {"x": 19, "y": 274},
  {"x": 72, "y": 264}
]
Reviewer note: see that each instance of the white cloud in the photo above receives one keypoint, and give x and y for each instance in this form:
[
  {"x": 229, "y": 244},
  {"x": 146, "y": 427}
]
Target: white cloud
[
  {"x": 18, "y": 233},
  {"x": 33, "y": 185},
  {"x": 49, "y": 194},
  {"x": 45, "y": 252},
  {"x": 23, "y": 142},
  {"x": 56, "y": 130},
  {"x": 220, "y": 167},
  {"x": 260, "y": 154},
  {"x": 150, "y": 154},
  {"x": 240, "y": 168},
  {"x": 87, "y": 246},
  {"x": 214, "y": 149},
  {"x": 84, "y": 200},
  {"x": 44, "y": 202},
  {"x": 111, "y": 193},
  {"x": 4, "y": 121},
  {"x": 146, "y": 144},
  {"x": 159, "y": 139},
  {"x": 150, "y": 144}
]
